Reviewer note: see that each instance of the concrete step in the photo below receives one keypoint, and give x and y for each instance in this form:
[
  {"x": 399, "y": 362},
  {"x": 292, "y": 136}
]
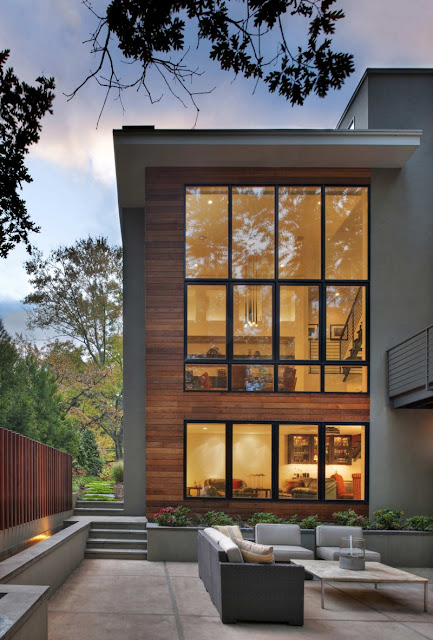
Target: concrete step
[
  {"x": 92, "y": 511},
  {"x": 126, "y": 525},
  {"x": 113, "y": 543},
  {"x": 101, "y": 504},
  {"x": 115, "y": 533},
  {"x": 116, "y": 554}
]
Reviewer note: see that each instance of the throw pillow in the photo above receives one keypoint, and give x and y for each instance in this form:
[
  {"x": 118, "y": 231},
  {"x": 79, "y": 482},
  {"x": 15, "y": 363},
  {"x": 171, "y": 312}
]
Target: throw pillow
[
  {"x": 253, "y": 552},
  {"x": 237, "y": 484},
  {"x": 231, "y": 531},
  {"x": 233, "y": 552}
]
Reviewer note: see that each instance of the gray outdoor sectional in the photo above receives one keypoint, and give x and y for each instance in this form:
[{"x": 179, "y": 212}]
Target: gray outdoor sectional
[{"x": 247, "y": 591}]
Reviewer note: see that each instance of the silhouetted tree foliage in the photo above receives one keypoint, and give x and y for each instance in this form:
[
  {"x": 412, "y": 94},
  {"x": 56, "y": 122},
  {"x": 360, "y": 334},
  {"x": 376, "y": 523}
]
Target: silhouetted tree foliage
[
  {"x": 22, "y": 107},
  {"x": 251, "y": 38}
]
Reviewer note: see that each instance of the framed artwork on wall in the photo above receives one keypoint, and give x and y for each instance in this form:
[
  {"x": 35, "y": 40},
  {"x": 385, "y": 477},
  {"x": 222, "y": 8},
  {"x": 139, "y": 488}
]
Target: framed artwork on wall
[
  {"x": 336, "y": 331},
  {"x": 313, "y": 332}
]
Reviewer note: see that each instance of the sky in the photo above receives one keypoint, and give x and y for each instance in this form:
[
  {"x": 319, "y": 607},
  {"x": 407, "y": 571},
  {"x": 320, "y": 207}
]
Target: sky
[{"x": 73, "y": 193}]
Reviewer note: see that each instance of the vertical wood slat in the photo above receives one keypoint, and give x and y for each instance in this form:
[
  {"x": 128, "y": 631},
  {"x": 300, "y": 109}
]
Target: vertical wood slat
[{"x": 35, "y": 480}]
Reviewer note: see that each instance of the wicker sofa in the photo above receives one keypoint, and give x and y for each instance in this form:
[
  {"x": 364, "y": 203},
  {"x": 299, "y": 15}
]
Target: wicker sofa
[{"x": 248, "y": 591}]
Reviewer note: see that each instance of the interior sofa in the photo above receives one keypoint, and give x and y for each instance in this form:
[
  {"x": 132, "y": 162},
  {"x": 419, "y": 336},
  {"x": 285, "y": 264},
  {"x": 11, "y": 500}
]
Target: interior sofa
[
  {"x": 216, "y": 487},
  {"x": 328, "y": 542},
  {"x": 307, "y": 489},
  {"x": 266, "y": 592}
]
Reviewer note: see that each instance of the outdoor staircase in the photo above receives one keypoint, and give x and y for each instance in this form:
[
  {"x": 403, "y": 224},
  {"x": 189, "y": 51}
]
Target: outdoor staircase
[
  {"x": 93, "y": 508},
  {"x": 117, "y": 540}
]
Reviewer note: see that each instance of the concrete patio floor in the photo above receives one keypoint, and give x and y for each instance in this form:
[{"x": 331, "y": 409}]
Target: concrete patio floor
[{"x": 139, "y": 600}]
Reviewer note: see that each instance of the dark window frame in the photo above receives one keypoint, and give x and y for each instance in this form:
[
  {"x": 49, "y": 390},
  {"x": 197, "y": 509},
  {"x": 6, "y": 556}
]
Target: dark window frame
[
  {"x": 321, "y": 467},
  {"x": 322, "y": 283}
]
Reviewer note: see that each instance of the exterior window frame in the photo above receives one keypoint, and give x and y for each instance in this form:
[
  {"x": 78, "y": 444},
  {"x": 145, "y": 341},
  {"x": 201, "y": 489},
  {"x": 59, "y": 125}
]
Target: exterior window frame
[
  {"x": 276, "y": 282},
  {"x": 274, "y": 497}
]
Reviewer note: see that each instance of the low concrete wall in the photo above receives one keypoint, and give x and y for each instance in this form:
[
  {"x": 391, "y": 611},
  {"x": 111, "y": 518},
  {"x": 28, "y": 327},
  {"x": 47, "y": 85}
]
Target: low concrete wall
[
  {"x": 177, "y": 544},
  {"x": 23, "y": 613},
  {"x": 397, "y": 548},
  {"x": 49, "y": 562},
  {"x": 402, "y": 548},
  {"x": 11, "y": 538}
]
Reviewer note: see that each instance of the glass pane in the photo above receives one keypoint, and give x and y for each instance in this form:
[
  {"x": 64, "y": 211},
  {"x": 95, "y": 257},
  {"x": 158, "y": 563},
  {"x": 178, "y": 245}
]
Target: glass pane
[
  {"x": 207, "y": 377},
  {"x": 299, "y": 378},
  {"x": 206, "y": 321},
  {"x": 252, "y": 321},
  {"x": 346, "y": 253},
  {"x": 299, "y": 323},
  {"x": 253, "y": 228},
  {"x": 252, "y": 461},
  {"x": 299, "y": 213},
  {"x": 345, "y": 323},
  {"x": 346, "y": 379},
  {"x": 206, "y": 232},
  {"x": 206, "y": 460},
  {"x": 252, "y": 377},
  {"x": 298, "y": 463},
  {"x": 345, "y": 462}
]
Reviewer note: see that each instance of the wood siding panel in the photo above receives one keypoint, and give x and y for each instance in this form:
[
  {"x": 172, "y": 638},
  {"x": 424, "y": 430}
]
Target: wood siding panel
[
  {"x": 35, "y": 480},
  {"x": 167, "y": 404}
]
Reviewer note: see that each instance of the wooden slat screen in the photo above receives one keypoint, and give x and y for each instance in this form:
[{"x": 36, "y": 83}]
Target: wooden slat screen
[{"x": 35, "y": 480}]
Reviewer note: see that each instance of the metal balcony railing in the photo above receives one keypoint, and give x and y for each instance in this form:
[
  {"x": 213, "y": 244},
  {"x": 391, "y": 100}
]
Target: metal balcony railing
[{"x": 410, "y": 371}]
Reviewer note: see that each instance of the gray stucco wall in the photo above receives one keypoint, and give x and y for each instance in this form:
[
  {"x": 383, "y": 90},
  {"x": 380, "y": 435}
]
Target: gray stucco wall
[
  {"x": 401, "y": 440},
  {"x": 134, "y": 439},
  {"x": 358, "y": 109}
]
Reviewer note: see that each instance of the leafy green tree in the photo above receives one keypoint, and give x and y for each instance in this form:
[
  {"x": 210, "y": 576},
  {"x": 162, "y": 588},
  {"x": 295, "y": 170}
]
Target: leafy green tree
[
  {"x": 89, "y": 457},
  {"x": 29, "y": 400},
  {"x": 22, "y": 108},
  {"x": 77, "y": 292},
  {"x": 253, "y": 38}
]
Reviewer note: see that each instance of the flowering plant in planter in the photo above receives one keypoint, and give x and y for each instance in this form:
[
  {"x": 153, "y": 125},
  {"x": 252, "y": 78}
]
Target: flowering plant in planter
[
  {"x": 173, "y": 517},
  {"x": 350, "y": 518}
]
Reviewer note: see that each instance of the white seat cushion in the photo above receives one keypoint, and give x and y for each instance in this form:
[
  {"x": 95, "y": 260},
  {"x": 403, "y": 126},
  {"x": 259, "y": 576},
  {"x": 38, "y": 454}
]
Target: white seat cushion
[
  {"x": 286, "y": 552},
  {"x": 232, "y": 550}
]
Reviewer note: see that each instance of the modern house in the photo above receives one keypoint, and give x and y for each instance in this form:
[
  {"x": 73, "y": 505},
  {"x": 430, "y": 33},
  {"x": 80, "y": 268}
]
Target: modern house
[{"x": 267, "y": 273}]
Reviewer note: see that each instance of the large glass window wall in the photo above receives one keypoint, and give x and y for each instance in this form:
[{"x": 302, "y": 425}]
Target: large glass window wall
[
  {"x": 276, "y": 461},
  {"x": 277, "y": 275}
]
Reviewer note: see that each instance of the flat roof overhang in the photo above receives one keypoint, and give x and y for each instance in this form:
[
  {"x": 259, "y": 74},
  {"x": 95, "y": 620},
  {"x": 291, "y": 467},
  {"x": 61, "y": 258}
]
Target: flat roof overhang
[{"x": 136, "y": 148}]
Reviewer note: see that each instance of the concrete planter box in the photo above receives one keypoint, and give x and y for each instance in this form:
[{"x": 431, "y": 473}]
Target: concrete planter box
[
  {"x": 176, "y": 544},
  {"x": 397, "y": 548},
  {"x": 402, "y": 548}
]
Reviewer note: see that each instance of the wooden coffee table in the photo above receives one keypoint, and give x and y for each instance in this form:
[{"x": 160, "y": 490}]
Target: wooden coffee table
[{"x": 375, "y": 572}]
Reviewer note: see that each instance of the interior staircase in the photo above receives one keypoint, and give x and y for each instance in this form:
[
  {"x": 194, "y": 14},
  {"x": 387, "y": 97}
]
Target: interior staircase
[{"x": 117, "y": 540}]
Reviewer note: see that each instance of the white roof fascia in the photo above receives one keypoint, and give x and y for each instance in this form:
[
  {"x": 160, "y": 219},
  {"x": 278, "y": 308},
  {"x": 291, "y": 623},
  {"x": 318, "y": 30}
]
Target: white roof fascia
[{"x": 137, "y": 148}]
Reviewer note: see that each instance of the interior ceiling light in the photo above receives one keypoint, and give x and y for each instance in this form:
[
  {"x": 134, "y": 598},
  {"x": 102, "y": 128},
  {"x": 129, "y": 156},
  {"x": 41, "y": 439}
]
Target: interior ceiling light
[
  {"x": 209, "y": 201},
  {"x": 337, "y": 295}
]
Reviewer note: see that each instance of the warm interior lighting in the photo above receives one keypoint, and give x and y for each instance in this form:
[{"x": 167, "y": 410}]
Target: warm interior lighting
[
  {"x": 209, "y": 201},
  {"x": 39, "y": 538},
  {"x": 251, "y": 308}
]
